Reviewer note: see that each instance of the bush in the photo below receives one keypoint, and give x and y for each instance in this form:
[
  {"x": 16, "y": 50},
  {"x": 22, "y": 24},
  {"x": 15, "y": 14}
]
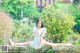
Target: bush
[
  {"x": 6, "y": 26},
  {"x": 23, "y": 30},
  {"x": 59, "y": 23},
  {"x": 77, "y": 14}
]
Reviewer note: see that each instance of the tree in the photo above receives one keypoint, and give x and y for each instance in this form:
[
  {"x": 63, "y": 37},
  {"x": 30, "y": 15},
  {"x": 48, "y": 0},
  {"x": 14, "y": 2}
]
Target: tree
[
  {"x": 77, "y": 14},
  {"x": 59, "y": 23},
  {"x": 19, "y": 8},
  {"x": 6, "y": 26}
]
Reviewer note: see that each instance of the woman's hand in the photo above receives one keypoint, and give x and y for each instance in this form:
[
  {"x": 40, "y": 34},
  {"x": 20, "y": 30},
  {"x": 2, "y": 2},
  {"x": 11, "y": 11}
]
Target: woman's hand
[
  {"x": 36, "y": 32},
  {"x": 30, "y": 38},
  {"x": 41, "y": 38}
]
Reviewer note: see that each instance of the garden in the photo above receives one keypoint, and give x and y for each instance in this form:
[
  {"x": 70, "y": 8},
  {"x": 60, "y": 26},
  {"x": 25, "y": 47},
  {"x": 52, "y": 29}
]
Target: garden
[{"x": 18, "y": 17}]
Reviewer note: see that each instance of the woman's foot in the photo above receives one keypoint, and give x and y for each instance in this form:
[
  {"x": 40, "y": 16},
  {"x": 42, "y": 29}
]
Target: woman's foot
[
  {"x": 54, "y": 45},
  {"x": 11, "y": 42}
]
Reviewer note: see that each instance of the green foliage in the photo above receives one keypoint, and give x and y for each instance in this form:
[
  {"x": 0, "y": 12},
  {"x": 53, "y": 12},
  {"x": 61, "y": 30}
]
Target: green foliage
[
  {"x": 1, "y": 41},
  {"x": 77, "y": 14},
  {"x": 6, "y": 26},
  {"x": 59, "y": 23},
  {"x": 22, "y": 32},
  {"x": 16, "y": 6}
]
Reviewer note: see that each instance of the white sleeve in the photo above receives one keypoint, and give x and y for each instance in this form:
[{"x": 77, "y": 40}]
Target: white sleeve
[
  {"x": 33, "y": 30},
  {"x": 44, "y": 31}
]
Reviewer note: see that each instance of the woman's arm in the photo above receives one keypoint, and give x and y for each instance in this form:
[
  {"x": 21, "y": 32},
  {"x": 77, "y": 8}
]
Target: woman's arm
[
  {"x": 42, "y": 35},
  {"x": 30, "y": 38}
]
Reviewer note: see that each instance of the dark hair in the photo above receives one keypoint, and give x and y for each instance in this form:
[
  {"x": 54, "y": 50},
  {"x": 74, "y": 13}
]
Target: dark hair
[{"x": 42, "y": 24}]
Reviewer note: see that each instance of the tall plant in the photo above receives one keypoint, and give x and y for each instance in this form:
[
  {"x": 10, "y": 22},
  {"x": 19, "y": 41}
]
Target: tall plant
[
  {"x": 59, "y": 23},
  {"x": 6, "y": 26},
  {"x": 20, "y": 8}
]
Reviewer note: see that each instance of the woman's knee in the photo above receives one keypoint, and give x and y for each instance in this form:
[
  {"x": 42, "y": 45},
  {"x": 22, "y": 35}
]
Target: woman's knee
[{"x": 27, "y": 43}]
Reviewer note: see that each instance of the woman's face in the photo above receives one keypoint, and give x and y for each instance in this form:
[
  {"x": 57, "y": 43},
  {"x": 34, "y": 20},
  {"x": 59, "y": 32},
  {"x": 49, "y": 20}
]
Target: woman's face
[{"x": 39, "y": 24}]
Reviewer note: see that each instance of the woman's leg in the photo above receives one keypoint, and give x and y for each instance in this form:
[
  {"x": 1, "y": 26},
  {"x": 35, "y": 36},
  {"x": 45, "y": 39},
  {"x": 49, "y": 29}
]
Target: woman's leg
[
  {"x": 19, "y": 44},
  {"x": 48, "y": 43}
]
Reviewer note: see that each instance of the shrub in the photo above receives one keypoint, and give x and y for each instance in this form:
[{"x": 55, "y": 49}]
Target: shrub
[
  {"x": 23, "y": 30},
  {"x": 77, "y": 14},
  {"x": 59, "y": 23},
  {"x": 6, "y": 25}
]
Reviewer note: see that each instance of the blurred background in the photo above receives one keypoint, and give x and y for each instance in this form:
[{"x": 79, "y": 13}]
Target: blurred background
[{"x": 61, "y": 18}]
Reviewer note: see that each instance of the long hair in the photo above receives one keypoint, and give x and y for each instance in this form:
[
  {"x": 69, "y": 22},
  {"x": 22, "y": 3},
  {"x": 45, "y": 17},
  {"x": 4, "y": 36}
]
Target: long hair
[{"x": 42, "y": 24}]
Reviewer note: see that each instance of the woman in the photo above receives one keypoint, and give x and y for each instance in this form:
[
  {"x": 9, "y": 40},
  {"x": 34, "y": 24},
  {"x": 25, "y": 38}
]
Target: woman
[{"x": 38, "y": 32}]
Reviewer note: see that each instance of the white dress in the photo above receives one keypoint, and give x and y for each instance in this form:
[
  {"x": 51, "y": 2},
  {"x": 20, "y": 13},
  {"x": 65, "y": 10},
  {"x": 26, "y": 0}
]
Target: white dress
[{"x": 36, "y": 42}]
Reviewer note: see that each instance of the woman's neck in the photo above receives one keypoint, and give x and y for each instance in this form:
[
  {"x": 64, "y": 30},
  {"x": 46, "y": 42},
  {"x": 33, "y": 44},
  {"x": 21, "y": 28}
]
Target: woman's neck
[{"x": 39, "y": 27}]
